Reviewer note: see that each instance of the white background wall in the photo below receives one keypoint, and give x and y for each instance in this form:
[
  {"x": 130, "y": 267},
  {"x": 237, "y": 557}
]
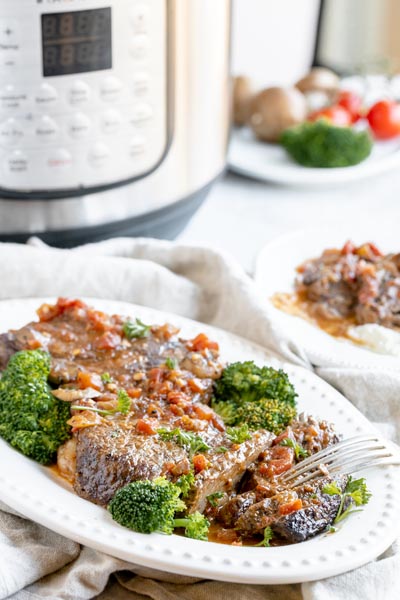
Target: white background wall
[{"x": 273, "y": 40}]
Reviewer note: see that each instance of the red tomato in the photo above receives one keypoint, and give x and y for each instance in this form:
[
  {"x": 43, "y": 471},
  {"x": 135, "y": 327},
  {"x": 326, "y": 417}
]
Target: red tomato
[
  {"x": 352, "y": 102},
  {"x": 384, "y": 119},
  {"x": 337, "y": 115}
]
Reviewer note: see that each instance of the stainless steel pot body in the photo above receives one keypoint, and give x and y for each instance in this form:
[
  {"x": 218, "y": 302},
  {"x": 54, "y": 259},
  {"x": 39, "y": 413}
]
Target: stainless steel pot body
[{"x": 190, "y": 153}]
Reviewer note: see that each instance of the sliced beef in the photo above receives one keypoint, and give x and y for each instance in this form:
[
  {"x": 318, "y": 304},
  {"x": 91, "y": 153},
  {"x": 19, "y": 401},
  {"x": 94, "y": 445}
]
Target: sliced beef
[
  {"x": 8, "y": 346},
  {"x": 226, "y": 469},
  {"x": 318, "y": 511},
  {"x": 109, "y": 457},
  {"x": 355, "y": 282}
]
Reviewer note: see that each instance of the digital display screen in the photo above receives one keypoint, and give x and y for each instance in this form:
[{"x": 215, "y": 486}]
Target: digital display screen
[{"x": 76, "y": 42}]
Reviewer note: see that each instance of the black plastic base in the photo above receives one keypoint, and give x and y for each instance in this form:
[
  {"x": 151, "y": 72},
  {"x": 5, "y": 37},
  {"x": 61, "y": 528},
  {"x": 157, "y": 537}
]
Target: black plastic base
[{"x": 164, "y": 223}]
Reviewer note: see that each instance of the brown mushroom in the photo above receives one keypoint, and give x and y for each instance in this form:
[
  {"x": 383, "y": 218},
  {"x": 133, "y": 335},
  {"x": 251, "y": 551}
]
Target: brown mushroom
[
  {"x": 319, "y": 79},
  {"x": 275, "y": 109},
  {"x": 242, "y": 94}
]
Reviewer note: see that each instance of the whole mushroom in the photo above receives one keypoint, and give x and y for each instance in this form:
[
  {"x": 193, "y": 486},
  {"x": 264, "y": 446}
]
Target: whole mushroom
[
  {"x": 319, "y": 87},
  {"x": 319, "y": 79},
  {"x": 275, "y": 109},
  {"x": 242, "y": 94}
]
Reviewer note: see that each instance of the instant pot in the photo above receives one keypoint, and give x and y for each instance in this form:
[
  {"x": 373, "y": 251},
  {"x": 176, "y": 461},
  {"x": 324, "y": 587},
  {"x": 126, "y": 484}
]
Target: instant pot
[{"x": 114, "y": 115}]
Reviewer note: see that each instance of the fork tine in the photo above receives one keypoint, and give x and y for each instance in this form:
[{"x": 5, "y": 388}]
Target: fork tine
[
  {"x": 353, "y": 468},
  {"x": 321, "y": 457}
]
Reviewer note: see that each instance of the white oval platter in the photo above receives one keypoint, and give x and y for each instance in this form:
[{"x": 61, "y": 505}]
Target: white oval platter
[
  {"x": 274, "y": 276},
  {"x": 38, "y": 494}
]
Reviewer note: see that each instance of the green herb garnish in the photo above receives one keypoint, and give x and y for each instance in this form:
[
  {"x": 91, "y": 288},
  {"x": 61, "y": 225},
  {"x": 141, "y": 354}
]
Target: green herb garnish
[
  {"x": 213, "y": 498},
  {"x": 123, "y": 406},
  {"x": 221, "y": 449},
  {"x": 268, "y": 535},
  {"x": 299, "y": 451},
  {"x": 191, "y": 441},
  {"x": 135, "y": 329},
  {"x": 355, "y": 491},
  {"x": 106, "y": 378},
  {"x": 238, "y": 435},
  {"x": 171, "y": 363}
]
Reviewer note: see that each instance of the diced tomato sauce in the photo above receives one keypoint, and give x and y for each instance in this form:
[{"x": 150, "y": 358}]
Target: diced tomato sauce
[
  {"x": 147, "y": 426},
  {"x": 200, "y": 463},
  {"x": 134, "y": 392},
  {"x": 290, "y": 507},
  {"x": 86, "y": 380},
  {"x": 47, "y": 312},
  {"x": 201, "y": 342},
  {"x": 107, "y": 341}
]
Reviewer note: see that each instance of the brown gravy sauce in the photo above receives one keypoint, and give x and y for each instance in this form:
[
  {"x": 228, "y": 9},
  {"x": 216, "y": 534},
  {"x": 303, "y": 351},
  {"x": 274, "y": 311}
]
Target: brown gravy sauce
[{"x": 296, "y": 304}]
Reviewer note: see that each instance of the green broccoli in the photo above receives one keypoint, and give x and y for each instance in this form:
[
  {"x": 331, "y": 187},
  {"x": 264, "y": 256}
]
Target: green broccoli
[
  {"x": 32, "y": 420},
  {"x": 148, "y": 506},
  {"x": 261, "y": 397},
  {"x": 323, "y": 145}
]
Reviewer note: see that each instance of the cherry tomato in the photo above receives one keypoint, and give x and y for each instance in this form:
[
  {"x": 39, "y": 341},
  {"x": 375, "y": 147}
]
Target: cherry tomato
[
  {"x": 352, "y": 102},
  {"x": 337, "y": 115},
  {"x": 384, "y": 119}
]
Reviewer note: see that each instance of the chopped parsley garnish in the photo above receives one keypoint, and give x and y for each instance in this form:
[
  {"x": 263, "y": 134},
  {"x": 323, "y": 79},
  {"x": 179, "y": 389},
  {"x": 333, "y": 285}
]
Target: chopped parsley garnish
[
  {"x": 191, "y": 441},
  {"x": 185, "y": 482},
  {"x": 106, "y": 378},
  {"x": 171, "y": 363},
  {"x": 213, "y": 498},
  {"x": 355, "y": 494},
  {"x": 135, "y": 329},
  {"x": 123, "y": 406},
  {"x": 221, "y": 449},
  {"x": 299, "y": 451},
  {"x": 238, "y": 435},
  {"x": 268, "y": 535}
]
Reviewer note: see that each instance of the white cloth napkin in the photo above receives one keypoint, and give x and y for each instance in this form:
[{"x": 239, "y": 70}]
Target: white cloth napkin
[{"x": 203, "y": 284}]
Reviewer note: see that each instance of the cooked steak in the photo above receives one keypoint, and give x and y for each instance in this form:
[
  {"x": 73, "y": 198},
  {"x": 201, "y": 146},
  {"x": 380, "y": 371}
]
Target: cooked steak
[
  {"x": 226, "y": 469},
  {"x": 354, "y": 282},
  {"x": 318, "y": 513},
  {"x": 107, "y": 458},
  {"x": 280, "y": 512}
]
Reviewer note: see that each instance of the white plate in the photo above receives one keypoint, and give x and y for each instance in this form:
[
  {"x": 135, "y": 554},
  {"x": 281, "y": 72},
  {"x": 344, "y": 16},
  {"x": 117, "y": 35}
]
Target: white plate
[
  {"x": 274, "y": 276},
  {"x": 38, "y": 494},
  {"x": 270, "y": 162}
]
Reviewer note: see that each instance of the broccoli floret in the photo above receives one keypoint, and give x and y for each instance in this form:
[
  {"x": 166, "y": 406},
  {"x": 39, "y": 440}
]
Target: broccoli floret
[
  {"x": 266, "y": 413},
  {"x": 261, "y": 397},
  {"x": 32, "y": 420},
  {"x": 148, "y": 506},
  {"x": 323, "y": 145}
]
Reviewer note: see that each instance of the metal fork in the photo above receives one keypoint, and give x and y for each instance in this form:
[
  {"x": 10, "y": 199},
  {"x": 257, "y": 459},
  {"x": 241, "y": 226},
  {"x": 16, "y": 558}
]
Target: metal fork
[{"x": 351, "y": 455}]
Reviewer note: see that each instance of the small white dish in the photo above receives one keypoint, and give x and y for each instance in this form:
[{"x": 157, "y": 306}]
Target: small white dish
[
  {"x": 271, "y": 163},
  {"x": 40, "y": 495},
  {"x": 274, "y": 275}
]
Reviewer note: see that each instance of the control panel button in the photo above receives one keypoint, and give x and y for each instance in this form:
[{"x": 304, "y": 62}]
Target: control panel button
[
  {"x": 11, "y": 132},
  {"x": 140, "y": 114},
  {"x": 12, "y": 99},
  {"x": 9, "y": 34},
  {"x": 111, "y": 121},
  {"x": 79, "y": 126},
  {"x": 46, "y": 96},
  {"x": 99, "y": 155},
  {"x": 60, "y": 159},
  {"x": 140, "y": 18},
  {"x": 110, "y": 89},
  {"x": 16, "y": 163},
  {"x": 137, "y": 145},
  {"x": 46, "y": 129},
  {"x": 139, "y": 46},
  {"x": 141, "y": 83},
  {"x": 79, "y": 93}
]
